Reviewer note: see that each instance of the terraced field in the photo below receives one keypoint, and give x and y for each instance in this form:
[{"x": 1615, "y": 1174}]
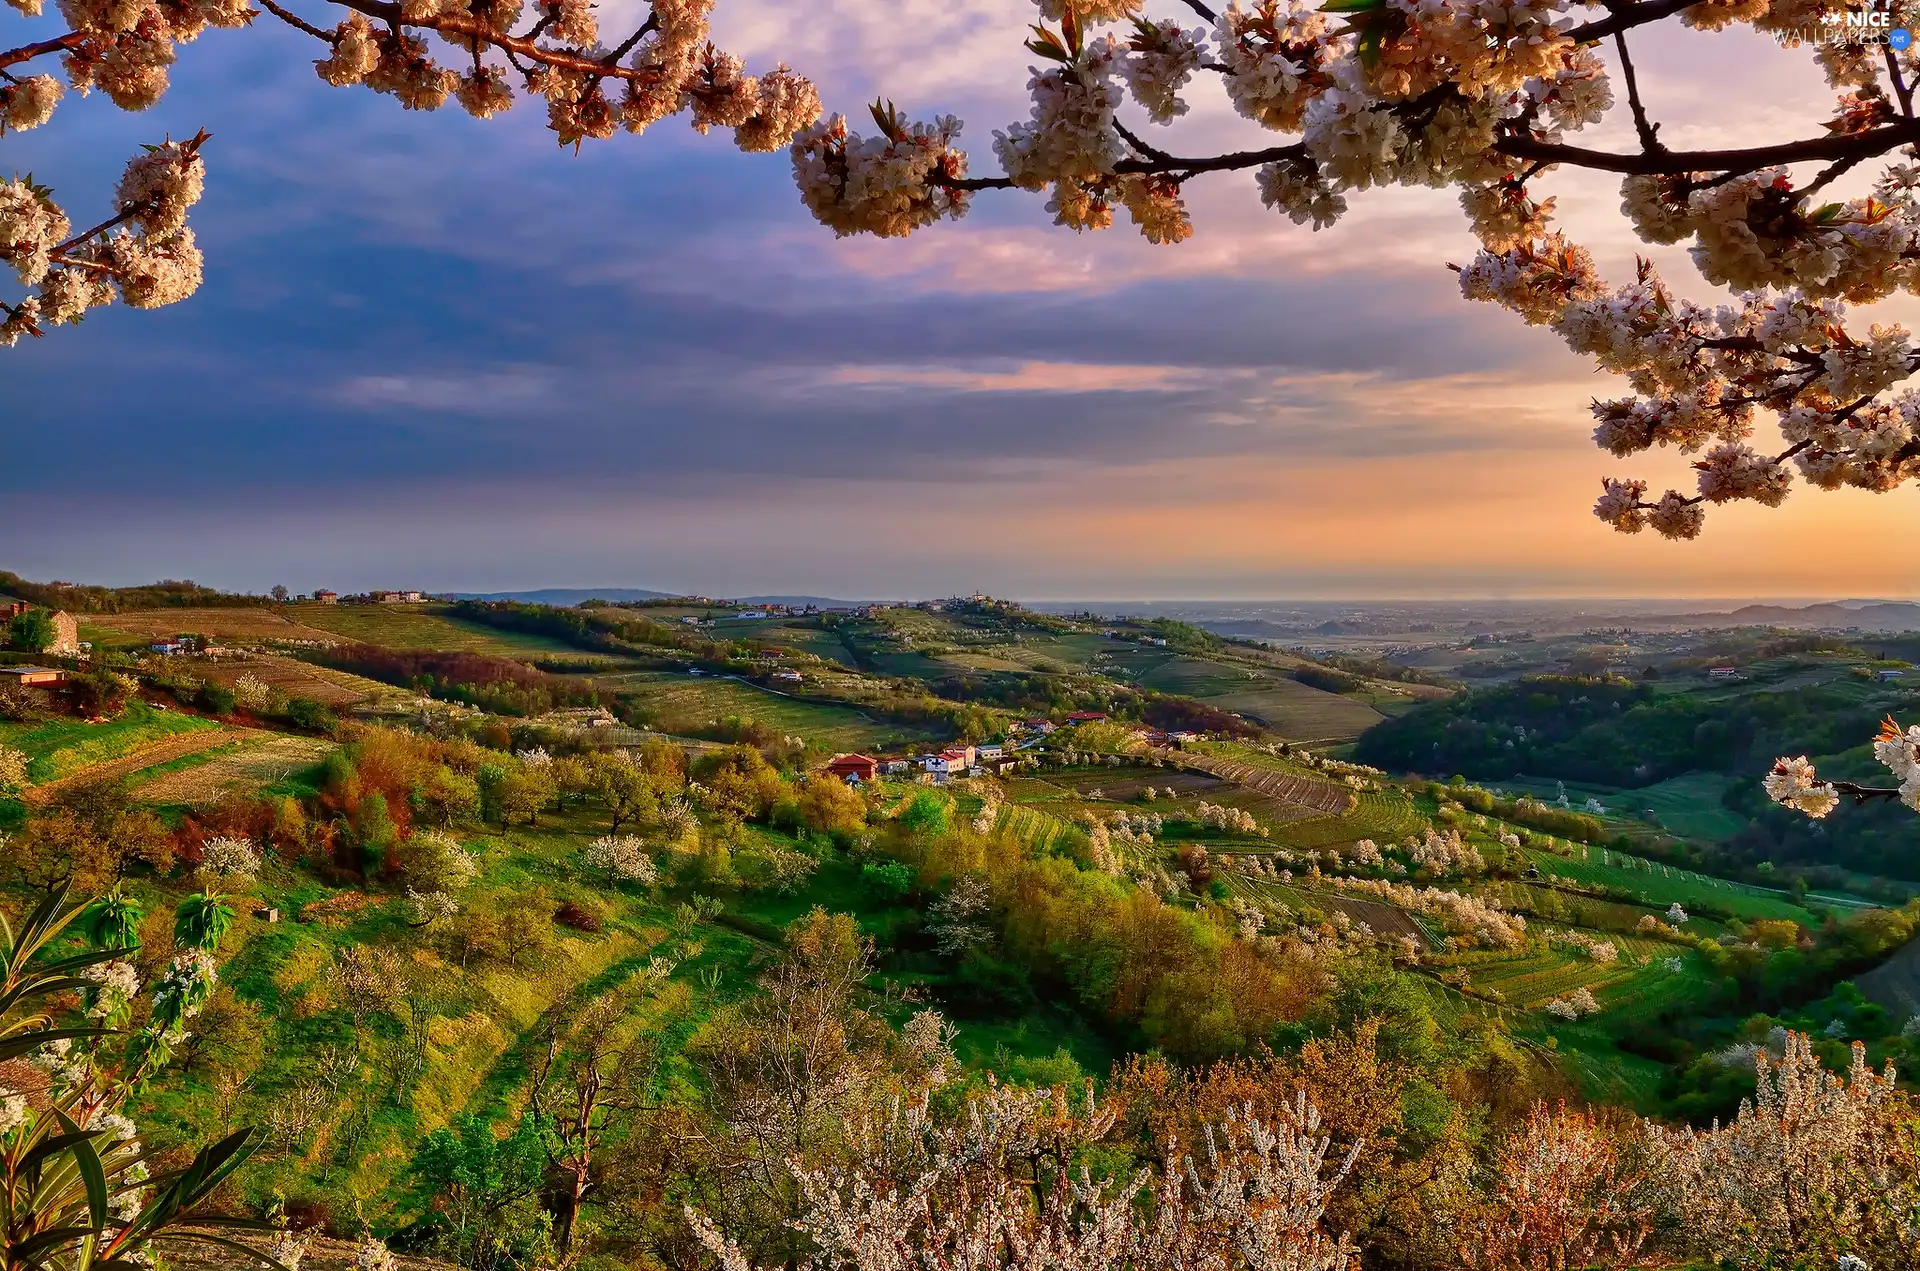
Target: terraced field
[
  {"x": 299, "y": 679},
  {"x": 1039, "y": 832},
  {"x": 1297, "y": 712},
  {"x": 1387, "y": 920},
  {"x": 683, "y": 702},
  {"x": 61, "y": 748},
  {"x": 1661, "y": 885},
  {"x": 1308, "y": 792},
  {"x": 260, "y": 759}
]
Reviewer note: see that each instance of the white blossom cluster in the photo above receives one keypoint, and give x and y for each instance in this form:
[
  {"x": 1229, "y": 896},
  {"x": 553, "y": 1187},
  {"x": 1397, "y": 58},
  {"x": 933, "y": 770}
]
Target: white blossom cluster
[
  {"x": 1469, "y": 916},
  {"x": 1221, "y": 817},
  {"x": 879, "y": 185},
  {"x": 1809, "y": 1142},
  {"x": 1602, "y": 951},
  {"x": 1795, "y": 784},
  {"x": 919, "y": 1196},
  {"x": 118, "y": 983},
  {"x": 227, "y": 857},
  {"x": 1443, "y": 854},
  {"x": 1573, "y": 1006},
  {"x": 621, "y": 858},
  {"x": 184, "y": 989}
]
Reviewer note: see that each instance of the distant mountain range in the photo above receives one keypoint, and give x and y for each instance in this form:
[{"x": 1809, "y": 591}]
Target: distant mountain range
[{"x": 1867, "y": 615}]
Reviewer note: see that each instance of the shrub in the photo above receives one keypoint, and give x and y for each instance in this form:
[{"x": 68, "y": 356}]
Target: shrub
[
  {"x": 890, "y": 880},
  {"x": 577, "y": 916}
]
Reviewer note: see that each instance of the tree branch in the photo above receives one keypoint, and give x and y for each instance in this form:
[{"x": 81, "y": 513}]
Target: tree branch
[
  {"x": 295, "y": 20},
  {"x": 1649, "y": 132},
  {"x": 626, "y": 46},
  {"x": 1625, "y": 17},
  {"x": 1859, "y": 146},
  {"x": 472, "y": 28},
  {"x": 1203, "y": 10},
  {"x": 27, "y": 52}
]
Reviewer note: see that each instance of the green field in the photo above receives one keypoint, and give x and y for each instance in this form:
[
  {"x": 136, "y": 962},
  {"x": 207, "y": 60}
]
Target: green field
[
  {"x": 1661, "y": 885},
  {"x": 1297, "y": 712},
  {"x": 1687, "y": 806},
  {"x": 685, "y": 701},
  {"x": 61, "y": 747},
  {"x": 421, "y": 627}
]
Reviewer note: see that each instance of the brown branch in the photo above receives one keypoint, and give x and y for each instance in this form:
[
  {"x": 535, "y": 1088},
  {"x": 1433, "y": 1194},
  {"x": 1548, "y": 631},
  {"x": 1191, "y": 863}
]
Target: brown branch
[
  {"x": 295, "y": 20},
  {"x": 1625, "y": 17},
  {"x": 1864, "y": 794},
  {"x": 1863, "y": 145},
  {"x": 27, "y": 52},
  {"x": 626, "y": 46},
  {"x": 1203, "y": 10},
  {"x": 1649, "y": 132},
  {"x": 1901, "y": 89},
  {"x": 472, "y": 28}
]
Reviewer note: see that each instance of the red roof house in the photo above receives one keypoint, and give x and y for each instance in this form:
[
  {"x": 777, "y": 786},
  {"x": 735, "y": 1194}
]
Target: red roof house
[{"x": 854, "y": 767}]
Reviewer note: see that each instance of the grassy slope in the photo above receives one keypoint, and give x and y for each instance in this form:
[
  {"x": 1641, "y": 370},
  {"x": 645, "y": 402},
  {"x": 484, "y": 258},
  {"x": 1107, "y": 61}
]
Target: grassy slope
[
  {"x": 62, "y": 747},
  {"x": 706, "y": 699}
]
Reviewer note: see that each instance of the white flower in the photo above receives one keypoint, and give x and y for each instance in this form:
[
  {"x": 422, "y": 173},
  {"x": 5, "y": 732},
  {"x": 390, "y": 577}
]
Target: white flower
[
  {"x": 160, "y": 186},
  {"x": 1156, "y": 64},
  {"x": 1794, "y": 784},
  {"x": 226, "y": 857},
  {"x": 29, "y": 103}
]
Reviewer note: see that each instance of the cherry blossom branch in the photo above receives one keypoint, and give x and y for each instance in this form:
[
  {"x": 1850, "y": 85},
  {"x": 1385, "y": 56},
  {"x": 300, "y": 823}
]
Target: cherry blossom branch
[
  {"x": 470, "y": 28},
  {"x": 27, "y": 52},
  {"x": 1864, "y": 794},
  {"x": 1863, "y": 145}
]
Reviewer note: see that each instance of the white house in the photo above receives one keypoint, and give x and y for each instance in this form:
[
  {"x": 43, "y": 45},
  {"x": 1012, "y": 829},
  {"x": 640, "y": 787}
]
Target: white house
[{"x": 989, "y": 750}]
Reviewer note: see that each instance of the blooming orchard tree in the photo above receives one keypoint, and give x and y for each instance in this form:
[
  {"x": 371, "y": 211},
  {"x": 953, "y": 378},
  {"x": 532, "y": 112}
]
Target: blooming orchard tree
[
  {"x": 13, "y": 770},
  {"x": 550, "y": 49}
]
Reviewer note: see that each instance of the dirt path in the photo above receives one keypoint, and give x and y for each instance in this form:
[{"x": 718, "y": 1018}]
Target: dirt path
[{"x": 162, "y": 751}]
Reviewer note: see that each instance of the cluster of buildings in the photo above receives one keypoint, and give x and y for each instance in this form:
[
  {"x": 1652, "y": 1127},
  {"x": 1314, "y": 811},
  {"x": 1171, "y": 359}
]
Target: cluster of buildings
[
  {"x": 937, "y": 766},
  {"x": 325, "y": 597},
  {"x": 186, "y": 644}
]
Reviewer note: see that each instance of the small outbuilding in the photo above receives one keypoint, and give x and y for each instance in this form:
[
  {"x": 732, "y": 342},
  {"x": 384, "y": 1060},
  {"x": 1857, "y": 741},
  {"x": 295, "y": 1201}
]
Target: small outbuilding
[{"x": 32, "y": 676}]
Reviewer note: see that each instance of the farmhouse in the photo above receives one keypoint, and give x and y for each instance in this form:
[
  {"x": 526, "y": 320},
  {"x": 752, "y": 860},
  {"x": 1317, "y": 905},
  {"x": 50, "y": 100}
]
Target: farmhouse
[
  {"x": 854, "y": 768},
  {"x": 791, "y": 677},
  {"x": 31, "y": 676},
  {"x": 1086, "y": 717},
  {"x": 324, "y": 597},
  {"x": 168, "y": 647},
  {"x": 1888, "y": 676},
  {"x": 1723, "y": 673},
  {"x": 894, "y": 767},
  {"x": 989, "y": 750}
]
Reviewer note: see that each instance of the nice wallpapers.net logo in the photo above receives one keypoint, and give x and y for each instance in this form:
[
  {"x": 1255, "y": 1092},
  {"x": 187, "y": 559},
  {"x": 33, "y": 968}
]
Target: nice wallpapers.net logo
[{"x": 1872, "y": 25}]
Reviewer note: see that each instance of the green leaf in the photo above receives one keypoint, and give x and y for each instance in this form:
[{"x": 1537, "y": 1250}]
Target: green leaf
[
  {"x": 1352, "y": 6},
  {"x": 95, "y": 1178}
]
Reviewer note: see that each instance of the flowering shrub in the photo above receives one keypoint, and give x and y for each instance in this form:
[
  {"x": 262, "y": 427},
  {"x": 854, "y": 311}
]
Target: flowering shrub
[
  {"x": 620, "y": 858},
  {"x": 924, "y": 1197},
  {"x": 13, "y": 770},
  {"x": 84, "y": 1192},
  {"x": 231, "y": 858}
]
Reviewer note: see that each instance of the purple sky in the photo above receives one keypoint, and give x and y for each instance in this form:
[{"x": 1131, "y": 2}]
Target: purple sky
[{"x": 443, "y": 353}]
